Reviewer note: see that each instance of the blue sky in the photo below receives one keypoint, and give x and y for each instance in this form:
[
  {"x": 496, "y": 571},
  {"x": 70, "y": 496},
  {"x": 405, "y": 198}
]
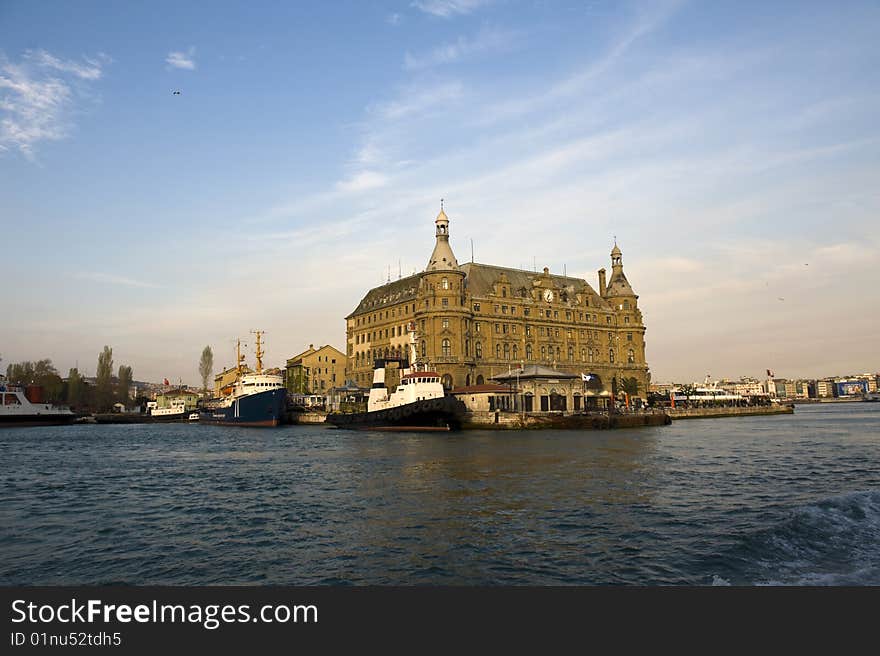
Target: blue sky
[{"x": 732, "y": 148}]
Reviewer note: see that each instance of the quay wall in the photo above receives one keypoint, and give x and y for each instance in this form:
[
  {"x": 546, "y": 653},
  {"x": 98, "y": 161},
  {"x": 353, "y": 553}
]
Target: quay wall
[
  {"x": 503, "y": 420},
  {"x": 307, "y": 417},
  {"x": 706, "y": 413}
]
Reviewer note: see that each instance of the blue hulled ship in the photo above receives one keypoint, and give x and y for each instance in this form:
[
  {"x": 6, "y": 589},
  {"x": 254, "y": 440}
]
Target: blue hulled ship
[{"x": 254, "y": 399}]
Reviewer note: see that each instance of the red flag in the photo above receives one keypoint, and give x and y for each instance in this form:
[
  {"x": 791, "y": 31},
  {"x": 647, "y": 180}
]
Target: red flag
[{"x": 166, "y": 382}]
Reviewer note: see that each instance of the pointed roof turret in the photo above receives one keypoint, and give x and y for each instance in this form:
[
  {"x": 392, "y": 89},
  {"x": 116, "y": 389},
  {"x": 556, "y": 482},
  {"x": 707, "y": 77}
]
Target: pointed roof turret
[
  {"x": 618, "y": 285},
  {"x": 442, "y": 258}
]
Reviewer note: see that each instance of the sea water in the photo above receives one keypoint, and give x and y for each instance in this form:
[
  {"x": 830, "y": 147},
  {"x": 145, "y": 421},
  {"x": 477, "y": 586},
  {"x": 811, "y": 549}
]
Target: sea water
[{"x": 789, "y": 499}]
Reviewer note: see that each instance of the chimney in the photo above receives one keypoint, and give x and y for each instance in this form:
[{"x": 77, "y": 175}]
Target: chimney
[
  {"x": 602, "y": 282},
  {"x": 312, "y": 346}
]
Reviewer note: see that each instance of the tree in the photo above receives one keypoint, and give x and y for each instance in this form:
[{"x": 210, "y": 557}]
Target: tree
[
  {"x": 206, "y": 366},
  {"x": 124, "y": 383},
  {"x": 75, "y": 389},
  {"x": 103, "y": 382},
  {"x": 41, "y": 373},
  {"x": 630, "y": 386}
]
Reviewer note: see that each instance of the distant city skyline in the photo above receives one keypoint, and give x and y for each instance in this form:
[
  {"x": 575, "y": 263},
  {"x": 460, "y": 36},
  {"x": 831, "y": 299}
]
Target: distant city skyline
[{"x": 175, "y": 176}]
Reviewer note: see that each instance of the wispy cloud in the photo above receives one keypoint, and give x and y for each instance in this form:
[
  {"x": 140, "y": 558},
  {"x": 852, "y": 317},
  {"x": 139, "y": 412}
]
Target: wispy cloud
[
  {"x": 37, "y": 97},
  {"x": 394, "y": 19},
  {"x": 487, "y": 40},
  {"x": 111, "y": 279},
  {"x": 363, "y": 181},
  {"x": 182, "y": 60},
  {"x": 447, "y": 8},
  {"x": 418, "y": 100}
]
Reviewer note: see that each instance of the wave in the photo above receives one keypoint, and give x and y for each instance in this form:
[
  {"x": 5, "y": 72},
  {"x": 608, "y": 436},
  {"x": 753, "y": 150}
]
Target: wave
[{"x": 835, "y": 541}]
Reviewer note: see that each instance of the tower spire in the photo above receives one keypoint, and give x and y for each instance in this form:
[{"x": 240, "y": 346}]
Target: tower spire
[{"x": 442, "y": 257}]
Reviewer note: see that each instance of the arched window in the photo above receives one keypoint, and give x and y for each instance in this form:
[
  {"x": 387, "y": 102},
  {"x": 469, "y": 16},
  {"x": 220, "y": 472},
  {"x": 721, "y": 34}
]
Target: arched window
[
  {"x": 467, "y": 380},
  {"x": 446, "y": 347},
  {"x": 515, "y": 352},
  {"x": 424, "y": 349},
  {"x": 528, "y": 351},
  {"x": 583, "y": 355},
  {"x": 626, "y": 305},
  {"x": 445, "y": 283},
  {"x": 467, "y": 348},
  {"x": 480, "y": 379},
  {"x": 591, "y": 354},
  {"x": 611, "y": 355},
  {"x": 557, "y": 354},
  {"x": 478, "y": 349},
  {"x": 543, "y": 353},
  {"x": 570, "y": 353},
  {"x": 507, "y": 351},
  {"x": 631, "y": 356},
  {"x": 498, "y": 351}
]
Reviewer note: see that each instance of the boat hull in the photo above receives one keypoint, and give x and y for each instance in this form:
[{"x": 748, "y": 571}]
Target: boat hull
[
  {"x": 445, "y": 413},
  {"x": 265, "y": 409},
  {"x": 177, "y": 416},
  {"x": 36, "y": 420}
]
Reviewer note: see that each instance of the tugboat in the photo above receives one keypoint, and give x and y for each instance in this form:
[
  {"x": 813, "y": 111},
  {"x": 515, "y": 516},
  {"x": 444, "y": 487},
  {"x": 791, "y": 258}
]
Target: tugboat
[
  {"x": 419, "y": 403},
  {"x": 25, "y": 407},
  {"x": 255, "y": 399}
]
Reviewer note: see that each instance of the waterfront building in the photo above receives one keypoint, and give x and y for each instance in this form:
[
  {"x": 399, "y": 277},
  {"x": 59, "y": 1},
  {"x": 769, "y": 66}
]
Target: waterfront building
[
  {"x": 825, "y": 388},
  {"x": 475, "y": 321},
  {"x": 190, "y": 398},
  {"x": 315, "y": 371}
]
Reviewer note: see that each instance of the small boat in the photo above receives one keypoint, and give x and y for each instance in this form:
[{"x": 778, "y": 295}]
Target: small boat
[
  {"x": 24, "y": 406},
  {"x": 255, "y": 399},
  {"x": 419, "y": 402},
  {"x": 194, "y": 416}
]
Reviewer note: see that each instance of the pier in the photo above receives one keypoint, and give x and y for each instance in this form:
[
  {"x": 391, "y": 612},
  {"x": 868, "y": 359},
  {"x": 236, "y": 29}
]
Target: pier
[{"x": 735, "y": 411}]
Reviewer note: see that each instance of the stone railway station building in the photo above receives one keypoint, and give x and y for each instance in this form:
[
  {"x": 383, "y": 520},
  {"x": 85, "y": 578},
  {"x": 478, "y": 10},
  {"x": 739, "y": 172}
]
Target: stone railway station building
[{"x": 475, "y": 321}]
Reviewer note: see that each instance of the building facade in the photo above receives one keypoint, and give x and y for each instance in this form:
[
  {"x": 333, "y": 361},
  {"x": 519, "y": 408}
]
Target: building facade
[
  {"x": 315, "y": 371},
  {"x": 475, "y": 321}
]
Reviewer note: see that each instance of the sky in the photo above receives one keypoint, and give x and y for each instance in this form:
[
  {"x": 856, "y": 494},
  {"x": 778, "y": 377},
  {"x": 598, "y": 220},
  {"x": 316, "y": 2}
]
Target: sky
[{"x": 732, "y": 148}]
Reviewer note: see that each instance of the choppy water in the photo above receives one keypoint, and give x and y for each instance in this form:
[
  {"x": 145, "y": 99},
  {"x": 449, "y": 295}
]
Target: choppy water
[{"x": 761, "y": 500}]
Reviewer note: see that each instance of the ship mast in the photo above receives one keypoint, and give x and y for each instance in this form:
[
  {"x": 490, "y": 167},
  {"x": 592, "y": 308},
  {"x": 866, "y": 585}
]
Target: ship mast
[
  {"x": 238, "y": 356},
  {"x": 259, "y": 333}
]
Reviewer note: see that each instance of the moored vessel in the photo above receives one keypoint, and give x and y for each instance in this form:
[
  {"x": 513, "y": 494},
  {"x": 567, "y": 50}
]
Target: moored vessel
[
  {"x": 419, "y": 402},
  {"x": 254, "y": 399},
  {"x": 175, "y": 411},
  {"x": 24, "y": 406}
]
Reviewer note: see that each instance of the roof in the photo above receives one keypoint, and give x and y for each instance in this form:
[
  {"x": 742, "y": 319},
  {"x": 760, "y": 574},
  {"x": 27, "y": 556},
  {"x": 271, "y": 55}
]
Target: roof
[
  {"x": 618, "y": 285},
  {"x": 397, "y": 291},
  {"x": 482, "y": 277},
  {"x": 311, "y": 351},
  {"x": 488, "y": 388},
  {"x": 534, "y": 371},
  {"x": 178, "y": 392}
]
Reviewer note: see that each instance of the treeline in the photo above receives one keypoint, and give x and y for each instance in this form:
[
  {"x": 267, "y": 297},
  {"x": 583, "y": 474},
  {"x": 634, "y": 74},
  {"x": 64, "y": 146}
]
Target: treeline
[{"x": 75, "y": 391}]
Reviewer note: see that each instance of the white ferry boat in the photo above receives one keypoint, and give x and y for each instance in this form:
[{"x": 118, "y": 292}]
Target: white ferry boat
[
  {"x": 708, "y": 394},
  {"x": 24, "y": 407},
  {"x": 176, "y": 411}
]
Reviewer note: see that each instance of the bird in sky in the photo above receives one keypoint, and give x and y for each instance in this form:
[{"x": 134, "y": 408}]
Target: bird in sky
[{"x": 175, "y": 93}]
